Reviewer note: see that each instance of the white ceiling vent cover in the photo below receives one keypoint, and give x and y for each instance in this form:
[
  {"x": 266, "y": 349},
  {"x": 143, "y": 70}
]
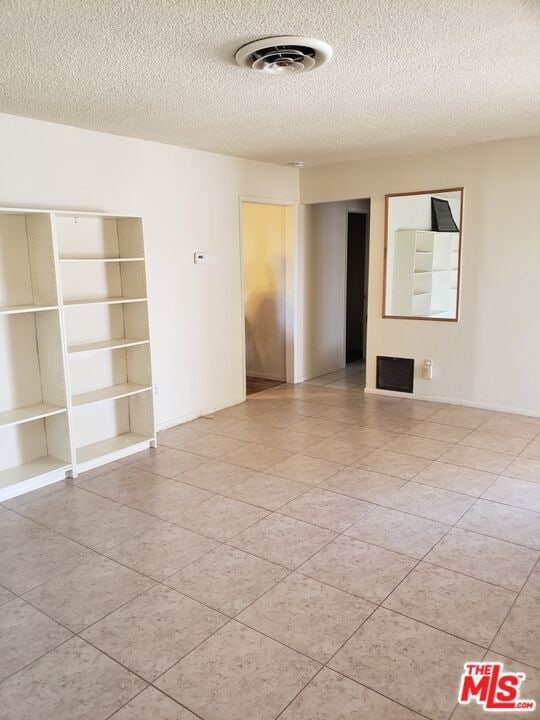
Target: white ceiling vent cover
[{"x": 284, "y": 55}]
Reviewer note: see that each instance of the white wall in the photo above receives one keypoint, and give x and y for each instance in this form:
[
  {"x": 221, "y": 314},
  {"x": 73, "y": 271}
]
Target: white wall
[
  {"x": 322, "y": 263},
  {"x": 189, "y": 201},
  {"x": 491, "y": 356},
  {"x": 264, "y": 230}
]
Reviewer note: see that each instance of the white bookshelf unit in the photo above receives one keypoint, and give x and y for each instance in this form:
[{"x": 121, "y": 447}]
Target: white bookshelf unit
[
  {"x": 425, "y": 279},
  {"x": 76, "y": 385}
]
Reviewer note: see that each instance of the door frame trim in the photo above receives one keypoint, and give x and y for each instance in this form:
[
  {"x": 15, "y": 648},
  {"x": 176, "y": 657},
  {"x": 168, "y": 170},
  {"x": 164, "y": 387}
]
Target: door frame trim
[{"x": 291, "y": 281}]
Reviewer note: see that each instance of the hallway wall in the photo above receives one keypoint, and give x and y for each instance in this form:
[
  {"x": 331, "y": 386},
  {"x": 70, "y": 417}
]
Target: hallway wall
[
  {"x": 490, "y": 357},
  {"x": 264, "y": 241}
]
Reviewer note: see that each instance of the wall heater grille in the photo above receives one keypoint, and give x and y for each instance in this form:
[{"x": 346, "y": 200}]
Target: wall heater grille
[{"x": 395, "y": 374}]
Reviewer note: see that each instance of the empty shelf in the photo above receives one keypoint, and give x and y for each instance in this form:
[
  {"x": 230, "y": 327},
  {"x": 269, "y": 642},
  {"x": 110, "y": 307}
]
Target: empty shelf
[
  {"x": 103, "y": 301},
  {"x": 29, "y": 413},
  {"x": 99, "y": 259},
  {"x": 111, "y": 445},
  {"x": 107, "y": 345},
  {"x": 30, "y": 470},
  {"x": 109, "y": 393},
  {"x": 13, "y": 309}
]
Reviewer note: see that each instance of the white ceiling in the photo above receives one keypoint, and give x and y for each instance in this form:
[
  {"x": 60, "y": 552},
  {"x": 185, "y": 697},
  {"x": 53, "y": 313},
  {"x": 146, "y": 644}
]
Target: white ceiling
[{"x": 407, "y": 75}]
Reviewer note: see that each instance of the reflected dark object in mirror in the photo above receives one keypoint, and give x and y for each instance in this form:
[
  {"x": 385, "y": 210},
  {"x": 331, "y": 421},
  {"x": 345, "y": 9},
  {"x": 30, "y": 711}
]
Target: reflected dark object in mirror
[{"x": 441, "y": 216}]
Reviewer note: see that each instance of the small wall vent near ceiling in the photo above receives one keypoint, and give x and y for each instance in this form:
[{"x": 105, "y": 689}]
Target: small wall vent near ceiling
[
  {"x": 284, "y": 55},
  {"x": 395, "y": 374}
]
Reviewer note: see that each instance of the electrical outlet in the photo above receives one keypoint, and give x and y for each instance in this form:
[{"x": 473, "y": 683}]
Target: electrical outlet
[{"x": 156, "y": 389}]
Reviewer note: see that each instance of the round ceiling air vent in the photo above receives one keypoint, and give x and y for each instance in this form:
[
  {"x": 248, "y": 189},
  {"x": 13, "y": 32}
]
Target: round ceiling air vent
[{"x": 284, "y": 55}]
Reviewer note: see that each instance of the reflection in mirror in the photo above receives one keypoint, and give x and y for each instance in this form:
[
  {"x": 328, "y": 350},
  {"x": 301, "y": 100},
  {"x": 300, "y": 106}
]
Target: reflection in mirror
[{"x": 422, "y": 254}]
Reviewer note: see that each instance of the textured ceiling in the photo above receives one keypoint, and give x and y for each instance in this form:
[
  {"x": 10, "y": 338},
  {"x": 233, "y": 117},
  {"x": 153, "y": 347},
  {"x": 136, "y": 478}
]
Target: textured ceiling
[{"x": 407, "y": 75}]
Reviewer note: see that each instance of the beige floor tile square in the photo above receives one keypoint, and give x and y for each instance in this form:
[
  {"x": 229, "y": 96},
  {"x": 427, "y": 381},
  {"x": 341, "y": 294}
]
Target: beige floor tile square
[
  {"x": 385, "y": 421},
  {"x": 175, "y": 437},
  {"x": 495, "y": 561},
  {"x": 89, "y": 519},
  {"x": 153, "y": 705},
  {"x": 397, "y": 531},
  {"x": 220, "y": 518},
  {"x": 215, "y": 475},
  {"x": 85, "y": 594},
  {"x": 409, "y": 662},
  {"x": 307, "y": 616},
  {"x": 5, "y": 595},
  {"x": 103, "y": 530},
  {"x": 57, "y": 509},
  {"x": 331, "y": 696},
  {"x": 170, "y": 462},
  {"x": 308, "y": 470},
  {"x": 529, "y": 690},
  {"x": 499, "y": 442},
  {"x": 518, "y": 493},
  {"x": 363, "y": 484},
  {"x": 212, "y": 446},
  {"x": 73, "y": 681},
  {"x": 532, "y": 450},
  {"x": 289, "y": 440},
  {"x": 418, "y": 446},
  {"x": 519, "y": 637},
  {"x": 347, "y": 415},
  {"x": 338, "y": 451},
  {"x": 326, "y": 509},
  {"x": 430, "y": 502},
  {"x": 358, "y": 568},
  {"x": 227, "y": 579},
  {"x": 266, "y": 491},
  {"x": 518, "y": 425},
  {"x": 217, "y": 424},
  {"x": 153, "y": 631},
  {"x": 25, "y": 635},
  {"x": 437, "y": 431},
  {"x": 256, "y": 457},
  {"x": 419, "y": 409},
  {"x": 144, "y": 491},
  {"x": 282, "y": 540},
  {"x": 308, "y": 408},
  {"x": 282, "y": 419},
  {"x": 456, "y": 478},
  {"x": 503, "y": 522},
  {"x": 319, "y": 426},
  {"x": 478, "y": 459},
  {"x": 31, "y": 554},
  {"x": 238, "y": 674},
  {"x": 464, "y": 417},
  {"x": 524, "y": 468},
  {"x": 393, "y": 464},
  {"x": 367, "y": 437},
  {"x": 460, "y": 605},
  {"x": 160, "y": 552}
]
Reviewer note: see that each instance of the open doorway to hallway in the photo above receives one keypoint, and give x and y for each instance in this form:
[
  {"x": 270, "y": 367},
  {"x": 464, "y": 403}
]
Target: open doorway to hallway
[
  {"x": 264, "y": 235},
  {"x": 335, "y": 272}
]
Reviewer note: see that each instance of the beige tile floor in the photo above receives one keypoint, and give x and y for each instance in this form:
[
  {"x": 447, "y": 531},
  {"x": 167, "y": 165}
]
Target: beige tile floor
[{"x": 315, "y": 553}]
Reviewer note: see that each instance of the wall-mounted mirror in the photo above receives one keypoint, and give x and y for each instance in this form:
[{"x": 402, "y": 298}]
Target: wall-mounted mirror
[{"x": 422, "y": 255}]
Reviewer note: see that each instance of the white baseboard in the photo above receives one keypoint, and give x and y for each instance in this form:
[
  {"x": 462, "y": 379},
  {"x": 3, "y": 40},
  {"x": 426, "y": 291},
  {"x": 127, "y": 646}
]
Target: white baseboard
[
  {"x": 454, "y": 401},
  {"x": 193, "y": 416}
]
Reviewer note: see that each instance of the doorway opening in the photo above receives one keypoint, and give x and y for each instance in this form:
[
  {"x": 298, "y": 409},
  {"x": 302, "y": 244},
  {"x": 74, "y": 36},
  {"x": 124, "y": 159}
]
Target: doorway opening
[
  {"x": 264, "y": 251},
  {"x": 357, "y": 277},
  {"x": 335, "y": 275}
]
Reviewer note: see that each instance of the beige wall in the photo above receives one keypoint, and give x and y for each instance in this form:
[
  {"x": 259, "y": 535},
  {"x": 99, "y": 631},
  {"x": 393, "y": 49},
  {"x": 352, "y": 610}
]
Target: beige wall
[
  {"x": 264, "y": 252},
  {"x": 491, "y": 356},
  {"x": 190, "y": 201}
]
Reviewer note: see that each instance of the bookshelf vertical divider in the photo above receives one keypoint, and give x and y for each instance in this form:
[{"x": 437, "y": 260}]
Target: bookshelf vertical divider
[{"x": 76, "y": 388}]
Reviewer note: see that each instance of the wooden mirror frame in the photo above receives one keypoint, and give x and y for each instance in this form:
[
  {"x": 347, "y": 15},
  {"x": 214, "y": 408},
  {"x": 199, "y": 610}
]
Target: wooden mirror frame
[{"x": 420, "y": 317}]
